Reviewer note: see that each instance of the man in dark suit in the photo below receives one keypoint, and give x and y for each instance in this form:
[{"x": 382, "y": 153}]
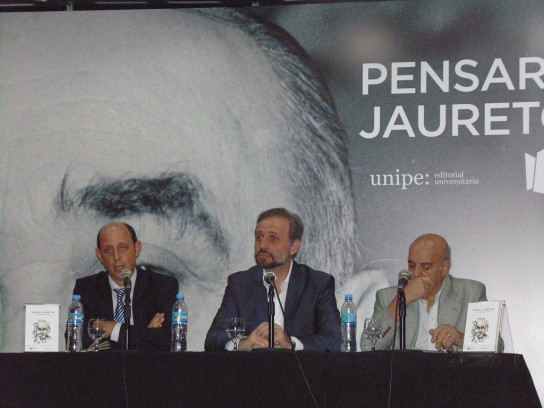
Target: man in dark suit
[
  {"x": 152, "y": 294},
  {"x": 311, "y": 320}
]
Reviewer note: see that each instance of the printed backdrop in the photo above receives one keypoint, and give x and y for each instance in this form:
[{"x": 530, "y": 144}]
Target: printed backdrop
[{"x": 186, "y": 125}]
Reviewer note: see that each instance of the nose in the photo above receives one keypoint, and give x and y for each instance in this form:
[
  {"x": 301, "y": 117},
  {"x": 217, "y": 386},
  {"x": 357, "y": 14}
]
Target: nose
[
  {"x": 263, "y": 244},
  {"x": 415, "y": 271}
]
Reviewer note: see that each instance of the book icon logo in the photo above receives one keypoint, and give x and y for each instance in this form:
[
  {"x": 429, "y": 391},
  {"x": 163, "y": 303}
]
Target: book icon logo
[{"x": 534, "y": 172}]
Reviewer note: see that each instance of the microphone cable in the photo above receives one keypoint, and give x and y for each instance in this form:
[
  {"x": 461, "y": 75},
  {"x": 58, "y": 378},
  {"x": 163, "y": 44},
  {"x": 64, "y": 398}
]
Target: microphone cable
[
  {"x": 404, "y": 271},
  {"x": 392, "y": 352},
  {"x": 293, "y": 349},
  {"x": 125, "y": 385}
]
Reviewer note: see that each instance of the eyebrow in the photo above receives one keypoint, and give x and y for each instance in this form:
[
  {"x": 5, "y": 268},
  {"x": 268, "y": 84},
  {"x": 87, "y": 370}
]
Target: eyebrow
[{"x": 172, "y": 196}]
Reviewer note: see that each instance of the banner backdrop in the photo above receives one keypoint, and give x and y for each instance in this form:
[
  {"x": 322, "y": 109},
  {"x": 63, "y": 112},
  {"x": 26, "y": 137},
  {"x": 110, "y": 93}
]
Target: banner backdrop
[{"x": 376, "y": 122}]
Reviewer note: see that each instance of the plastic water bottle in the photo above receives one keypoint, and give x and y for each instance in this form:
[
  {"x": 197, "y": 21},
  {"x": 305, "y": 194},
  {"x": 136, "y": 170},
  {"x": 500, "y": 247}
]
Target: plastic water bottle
[
  {"x": 74, "y": 325},
  {"x": 179, "y": 324},
  {"x": 348, "y": 318}
]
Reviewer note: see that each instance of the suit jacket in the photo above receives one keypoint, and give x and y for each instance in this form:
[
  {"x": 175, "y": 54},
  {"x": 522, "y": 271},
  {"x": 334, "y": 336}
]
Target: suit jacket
[
  {"x": 452, "y": 309},
  {"x": 153, "y": 293},
  {"x": 311, "y": 313}
]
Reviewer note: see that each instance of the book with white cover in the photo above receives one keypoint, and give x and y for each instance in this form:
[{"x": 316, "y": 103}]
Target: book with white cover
[
  {"x": 42, "y": 327},
  {"x": 483, "y": 326}
]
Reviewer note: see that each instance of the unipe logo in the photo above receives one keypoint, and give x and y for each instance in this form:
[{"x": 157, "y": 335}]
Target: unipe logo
[{"x": 534, "y": 172}]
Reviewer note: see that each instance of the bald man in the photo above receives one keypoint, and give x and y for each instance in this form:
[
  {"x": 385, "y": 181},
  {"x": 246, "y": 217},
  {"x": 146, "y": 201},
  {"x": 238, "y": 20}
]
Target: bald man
[
  {"x": 436, "y": 302},
  {"x": 152, "y": 294}
]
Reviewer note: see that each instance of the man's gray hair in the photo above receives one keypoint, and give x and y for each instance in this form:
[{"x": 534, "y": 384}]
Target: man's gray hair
[{"x": 317, "y": 157}]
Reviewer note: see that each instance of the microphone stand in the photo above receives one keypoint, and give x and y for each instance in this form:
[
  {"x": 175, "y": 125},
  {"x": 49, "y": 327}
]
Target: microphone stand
[
  {"x": 271, "y": 315},
  {"x": 401, "y": 298},
  {"x": 127, "y": 316}
]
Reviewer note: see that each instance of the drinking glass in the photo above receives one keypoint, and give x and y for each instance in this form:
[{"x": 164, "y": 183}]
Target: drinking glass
[
  {"x": 236, "y": 328},
  {"x": 97, "y": 329},
  {"x": 373, "y": 330}
]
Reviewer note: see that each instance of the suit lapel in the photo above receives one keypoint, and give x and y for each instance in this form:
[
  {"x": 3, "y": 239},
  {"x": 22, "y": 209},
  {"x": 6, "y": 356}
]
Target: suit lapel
[
  {"x": 105, "y": 304},
  {"x": 448, "y": 308},
  {"x": 258, "y": 295},
  {"x": 297, "y": 282},
  {"x": 412, "y": 324},
  {"x": 140, "y": 288}
]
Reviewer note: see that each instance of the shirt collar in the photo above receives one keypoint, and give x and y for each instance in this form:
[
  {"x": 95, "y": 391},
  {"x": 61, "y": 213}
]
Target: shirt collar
[
  {"x": 114, "y": 285},
  {"x": 285, "y": 283}
]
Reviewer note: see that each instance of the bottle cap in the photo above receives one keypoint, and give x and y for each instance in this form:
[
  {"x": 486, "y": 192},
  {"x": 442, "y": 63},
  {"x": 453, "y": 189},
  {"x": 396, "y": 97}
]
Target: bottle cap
[
  {"x": 348, "y": 296},
  {"x": 180, "y": 296},
  {"x": 76, "y": 297}
]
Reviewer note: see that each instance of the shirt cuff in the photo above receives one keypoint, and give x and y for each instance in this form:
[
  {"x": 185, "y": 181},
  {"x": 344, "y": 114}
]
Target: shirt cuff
[
  {"x": 298, "y": 344},
  {"x": 115, "y": 332}
]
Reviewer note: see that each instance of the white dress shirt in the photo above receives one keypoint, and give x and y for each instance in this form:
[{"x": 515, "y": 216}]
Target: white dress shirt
[{"x": 428, "y": 319}]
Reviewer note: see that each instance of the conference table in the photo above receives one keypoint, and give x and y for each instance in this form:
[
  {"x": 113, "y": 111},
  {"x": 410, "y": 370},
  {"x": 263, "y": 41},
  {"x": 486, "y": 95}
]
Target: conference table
[{"x": 270, "y": 378}]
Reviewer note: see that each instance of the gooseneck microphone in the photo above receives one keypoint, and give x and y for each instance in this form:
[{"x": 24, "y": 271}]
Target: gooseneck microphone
[
  {"x": 404, "y": 277},
  {"x": 126, "y": 275},
  {"x": 269, "y": 278}
]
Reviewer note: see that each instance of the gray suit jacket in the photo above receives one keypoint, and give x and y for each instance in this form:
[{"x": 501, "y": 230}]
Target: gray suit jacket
[{"x": 452, "y": 309}]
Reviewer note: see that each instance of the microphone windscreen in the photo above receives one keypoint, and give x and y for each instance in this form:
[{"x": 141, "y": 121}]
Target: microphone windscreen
[
  {"x": 269, "y": 278},
  {"x": 126, "y": 274}
]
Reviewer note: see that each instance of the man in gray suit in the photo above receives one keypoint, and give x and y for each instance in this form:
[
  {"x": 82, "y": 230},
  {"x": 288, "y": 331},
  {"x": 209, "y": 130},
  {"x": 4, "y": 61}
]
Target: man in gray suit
[{"x": 436, "y": 302}]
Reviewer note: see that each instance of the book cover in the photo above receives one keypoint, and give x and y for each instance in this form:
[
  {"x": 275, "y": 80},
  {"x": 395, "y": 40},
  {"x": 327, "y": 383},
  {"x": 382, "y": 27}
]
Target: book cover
[
  {"x": 42, "y": 327},
  {"x": 482, "y": 326}
]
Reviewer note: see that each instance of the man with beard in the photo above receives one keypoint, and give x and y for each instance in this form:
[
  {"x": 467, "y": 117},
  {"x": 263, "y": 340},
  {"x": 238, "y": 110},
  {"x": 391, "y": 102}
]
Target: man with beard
[{"x": 311, "y": 320}]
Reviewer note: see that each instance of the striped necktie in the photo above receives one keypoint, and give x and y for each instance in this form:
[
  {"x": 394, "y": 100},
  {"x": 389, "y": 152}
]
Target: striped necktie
[{"x": 119, "y": 315}]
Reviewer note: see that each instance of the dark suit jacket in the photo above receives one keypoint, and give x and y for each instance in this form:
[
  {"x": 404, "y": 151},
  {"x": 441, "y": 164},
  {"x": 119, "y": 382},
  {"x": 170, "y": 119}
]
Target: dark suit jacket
[
  {"x": 153, "y": 293},
  {"x": 311, "y": 313}
]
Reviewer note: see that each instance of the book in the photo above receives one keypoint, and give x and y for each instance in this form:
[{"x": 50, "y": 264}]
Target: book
[
  {"x": 482, "y": 329},
  {"x": 42, "y": 327}
]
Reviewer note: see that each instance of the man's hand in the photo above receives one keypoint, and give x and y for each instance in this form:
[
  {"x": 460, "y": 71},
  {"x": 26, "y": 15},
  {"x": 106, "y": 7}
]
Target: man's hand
[
  {"x": 109, "y": 328},
  {"x": 446, "y": 336},
  {"x": 156, "y": 322},
  {"x": 418, "y": 288},
  {"x": 280, "y": 338},
  {"x": 257, "y": 339}
]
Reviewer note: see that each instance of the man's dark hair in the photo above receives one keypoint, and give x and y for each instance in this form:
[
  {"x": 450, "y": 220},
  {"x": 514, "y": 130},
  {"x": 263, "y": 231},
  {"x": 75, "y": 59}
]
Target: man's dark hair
[
  {"x": 296, "y": 227},
  {"x": 130, "y": 230}
]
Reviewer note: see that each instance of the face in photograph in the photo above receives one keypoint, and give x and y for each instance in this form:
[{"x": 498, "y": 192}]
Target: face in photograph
[{"x": 185, "y": 125}]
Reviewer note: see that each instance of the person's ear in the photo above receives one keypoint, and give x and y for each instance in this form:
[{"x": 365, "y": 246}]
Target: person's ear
[
  {"x": 138, "y": 248},
  {"x": 295, "y": 246},
  {"x": 98, "y": 255}
]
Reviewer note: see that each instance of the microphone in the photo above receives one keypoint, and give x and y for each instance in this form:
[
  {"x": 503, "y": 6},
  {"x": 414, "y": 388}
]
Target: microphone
[
  {"x": 126, "y": 275},
  {"x": 404, "y": 277},
  {"x": 269, "y": 278}
]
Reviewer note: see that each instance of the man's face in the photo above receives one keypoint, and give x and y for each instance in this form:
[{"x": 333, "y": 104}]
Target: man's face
[
  {"x": 87, "y": 138},
  {"x": 117, "y": 252},
  {"x": 272, "y": 244},
  {"x": 480, "y": 329},
  {"x": 42, "y": 330},
  {"x": 425, "y": 260}
]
